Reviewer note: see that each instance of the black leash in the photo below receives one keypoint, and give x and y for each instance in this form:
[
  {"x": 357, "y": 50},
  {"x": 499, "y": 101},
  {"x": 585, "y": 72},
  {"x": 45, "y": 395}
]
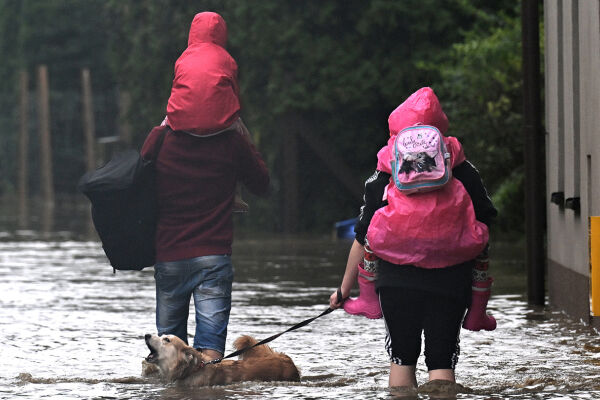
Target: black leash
[{"x": 270, "y": 338}]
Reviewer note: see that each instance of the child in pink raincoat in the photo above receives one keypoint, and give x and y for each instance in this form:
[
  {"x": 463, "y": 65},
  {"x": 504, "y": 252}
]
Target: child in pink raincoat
[{"x": 426, "y": 245}]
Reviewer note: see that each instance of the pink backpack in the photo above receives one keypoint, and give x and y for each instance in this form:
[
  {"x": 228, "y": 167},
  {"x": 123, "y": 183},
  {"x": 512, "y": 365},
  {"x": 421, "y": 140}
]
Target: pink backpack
[{"x": 421, "y": 161}]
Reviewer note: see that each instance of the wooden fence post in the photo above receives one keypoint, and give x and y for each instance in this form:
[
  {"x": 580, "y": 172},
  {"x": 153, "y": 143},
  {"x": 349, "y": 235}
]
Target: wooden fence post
[
  {"x": 123, "y": 124},
  {"x": 47, "y": 179},
  {"x": 89, "y": 126},
  {"x": 23, "y": 173},
  {"x": 89, "y": 132}
]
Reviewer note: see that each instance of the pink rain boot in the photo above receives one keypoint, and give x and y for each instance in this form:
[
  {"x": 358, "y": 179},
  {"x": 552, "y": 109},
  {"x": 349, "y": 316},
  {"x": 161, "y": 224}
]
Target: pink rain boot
[
  {"x": 476, "y": 318},
  {"x": 367, "y": 304}
]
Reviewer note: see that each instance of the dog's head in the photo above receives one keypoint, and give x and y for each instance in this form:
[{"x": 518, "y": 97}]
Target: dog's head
[{"x": 173, "y": 357}]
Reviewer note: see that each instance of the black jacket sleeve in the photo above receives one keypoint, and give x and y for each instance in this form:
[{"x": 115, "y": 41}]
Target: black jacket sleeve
[
  {"x": 373, "y": 200},
  {"x": 468, "y": 175}
]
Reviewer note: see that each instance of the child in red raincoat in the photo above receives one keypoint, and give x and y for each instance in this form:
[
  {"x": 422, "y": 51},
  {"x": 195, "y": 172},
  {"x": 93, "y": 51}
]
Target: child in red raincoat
[
  {"x": 205, "y": 94},
  {"x": 426, "y": 245}
]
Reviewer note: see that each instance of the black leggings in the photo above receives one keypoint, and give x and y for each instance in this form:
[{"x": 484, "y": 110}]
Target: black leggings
[{"x": 408, "y": 313}]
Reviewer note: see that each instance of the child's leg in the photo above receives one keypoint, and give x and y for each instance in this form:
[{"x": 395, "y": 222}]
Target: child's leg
[
  {"x": 403, "y": 375},
  {"x": 239, "y": 205},
  {"x": 441, "y": 325},
  {"x": 242, "y": 129},
  {"x": 477, "y": 318},
  {"x": 403, "y": 315},
  {"x": 442, "y": 374}
]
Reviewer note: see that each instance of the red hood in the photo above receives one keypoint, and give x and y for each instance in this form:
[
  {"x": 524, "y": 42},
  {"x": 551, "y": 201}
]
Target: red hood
[
  {"x": 208, "y": 27},
  {"x": 421, "y": 107},
  {"x": 205, "y": 94}
]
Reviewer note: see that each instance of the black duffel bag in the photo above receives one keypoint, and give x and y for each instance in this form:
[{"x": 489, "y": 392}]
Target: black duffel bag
[{"x": 124, "y": 208}]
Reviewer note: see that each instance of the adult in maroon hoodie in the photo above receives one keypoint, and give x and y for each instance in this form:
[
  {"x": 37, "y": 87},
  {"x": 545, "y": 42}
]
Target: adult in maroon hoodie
[{"x": 196, "y": 177}]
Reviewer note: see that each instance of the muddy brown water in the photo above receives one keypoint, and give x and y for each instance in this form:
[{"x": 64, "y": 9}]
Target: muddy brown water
[{"x": 73, "y": 330}]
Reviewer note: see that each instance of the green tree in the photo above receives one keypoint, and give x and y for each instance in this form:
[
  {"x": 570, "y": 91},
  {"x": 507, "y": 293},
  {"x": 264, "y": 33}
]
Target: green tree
[
  {"x": 336, "y": 69},
  {"x": 481, "y": 87},
  {"x": 10, "y": 12}
]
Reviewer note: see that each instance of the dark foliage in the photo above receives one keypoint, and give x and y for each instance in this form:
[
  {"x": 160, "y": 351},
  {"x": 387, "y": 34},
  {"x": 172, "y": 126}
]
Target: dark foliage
[{"x": 338, "y": 67}]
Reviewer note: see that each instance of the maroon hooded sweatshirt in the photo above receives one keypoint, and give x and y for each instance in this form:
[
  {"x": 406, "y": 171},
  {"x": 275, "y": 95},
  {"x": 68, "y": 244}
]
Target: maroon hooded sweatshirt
[{"x": 196, "y": 178}]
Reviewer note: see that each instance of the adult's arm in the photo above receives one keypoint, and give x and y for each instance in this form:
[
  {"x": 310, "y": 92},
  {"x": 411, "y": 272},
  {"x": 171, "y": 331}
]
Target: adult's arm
[
  {"x": 252, "y": 170},
  {"x": 469, "y": 176},
  {"x": 350, "y": 274},
  {"x": 372, "y": 201}
]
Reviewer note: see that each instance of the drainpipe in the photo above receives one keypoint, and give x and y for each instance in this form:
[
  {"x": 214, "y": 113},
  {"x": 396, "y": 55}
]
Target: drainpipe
[{"x": 534, "y": 153}]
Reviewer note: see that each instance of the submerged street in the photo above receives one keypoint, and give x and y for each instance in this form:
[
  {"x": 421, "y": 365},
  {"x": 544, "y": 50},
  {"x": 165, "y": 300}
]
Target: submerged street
[{"x": 74, "y": 330}]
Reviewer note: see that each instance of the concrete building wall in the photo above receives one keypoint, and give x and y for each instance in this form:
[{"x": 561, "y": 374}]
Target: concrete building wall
[
  {"x": 572, "y": 100},
  {"x": 589, "y": 17}
]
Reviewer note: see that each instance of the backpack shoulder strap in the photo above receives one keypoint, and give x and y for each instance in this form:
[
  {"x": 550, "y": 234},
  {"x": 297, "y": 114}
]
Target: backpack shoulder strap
[{"x": 160, "y": 140}]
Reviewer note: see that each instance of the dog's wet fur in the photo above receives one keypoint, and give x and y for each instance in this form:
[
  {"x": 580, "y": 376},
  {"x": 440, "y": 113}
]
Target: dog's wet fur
[{"x": 177, "y": 362}]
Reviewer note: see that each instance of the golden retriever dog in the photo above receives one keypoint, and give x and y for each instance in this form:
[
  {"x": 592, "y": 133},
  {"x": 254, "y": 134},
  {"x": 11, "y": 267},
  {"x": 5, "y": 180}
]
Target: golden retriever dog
[{"x": 180, "y": 363}]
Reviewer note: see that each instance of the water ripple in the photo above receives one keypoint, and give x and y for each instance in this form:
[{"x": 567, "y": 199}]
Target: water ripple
[{"x": 73, "y": 329}]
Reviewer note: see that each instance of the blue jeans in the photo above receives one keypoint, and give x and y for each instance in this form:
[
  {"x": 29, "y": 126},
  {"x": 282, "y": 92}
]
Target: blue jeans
[{"x": 209, "y": 280}]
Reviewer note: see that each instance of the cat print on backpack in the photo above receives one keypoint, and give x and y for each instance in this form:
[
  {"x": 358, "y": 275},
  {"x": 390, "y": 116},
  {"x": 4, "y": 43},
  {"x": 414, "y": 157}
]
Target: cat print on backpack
[{"x": 421, "y": 162}]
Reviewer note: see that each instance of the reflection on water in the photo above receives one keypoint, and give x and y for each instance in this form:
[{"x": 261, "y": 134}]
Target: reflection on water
[{"x": 71, "y": 329}]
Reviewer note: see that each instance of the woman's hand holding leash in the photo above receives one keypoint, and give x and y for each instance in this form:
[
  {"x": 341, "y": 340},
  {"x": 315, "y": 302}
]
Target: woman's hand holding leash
[
  {"x": 336, "y": 300},
  {"x": 355, "y": 256}
]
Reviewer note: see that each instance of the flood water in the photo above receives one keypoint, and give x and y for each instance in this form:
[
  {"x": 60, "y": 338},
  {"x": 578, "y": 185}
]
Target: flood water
[{"x": 71, "y": 329}]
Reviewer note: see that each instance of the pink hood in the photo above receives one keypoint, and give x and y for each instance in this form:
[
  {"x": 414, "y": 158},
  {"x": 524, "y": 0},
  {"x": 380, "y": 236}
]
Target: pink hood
[
  {"x": 424, "y": 108},
  {"x": 421, "y": 107},
  {"x": 205, "y": 94}
]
